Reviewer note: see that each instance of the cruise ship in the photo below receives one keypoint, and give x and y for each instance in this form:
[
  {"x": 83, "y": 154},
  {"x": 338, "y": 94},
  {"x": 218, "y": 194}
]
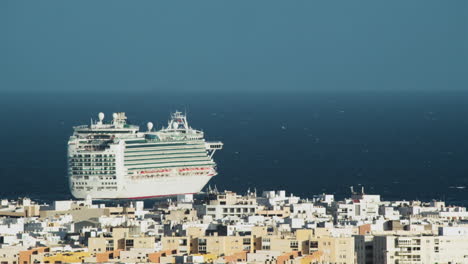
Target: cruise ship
[{"x": 115, "y": 160}]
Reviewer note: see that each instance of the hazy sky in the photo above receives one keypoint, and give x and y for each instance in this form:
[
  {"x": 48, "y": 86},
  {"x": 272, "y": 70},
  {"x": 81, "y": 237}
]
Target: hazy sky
[{"x": 227, "y": 45}]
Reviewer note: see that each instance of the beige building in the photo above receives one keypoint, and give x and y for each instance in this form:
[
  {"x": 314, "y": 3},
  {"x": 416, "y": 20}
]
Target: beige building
[
  {"x": 135, "y": 255},
  {"x": 10, "y": 255},
  {"x": 183, "y": 244},
  {"x": 218, "y": 245},
  {"x": 284, "y": 243},
  {"x": 222, "y": 245},
  {"x": 225, "y": 204},
  {"x": 81, "y": 212},
  {"x": 338, "y": 250},
  {"x": 120, "y": 239},
  {"x": 180, "y": 215}
]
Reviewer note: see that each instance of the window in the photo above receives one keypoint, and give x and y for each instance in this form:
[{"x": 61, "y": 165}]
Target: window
[
  {"x": 110, "y": 245},
  {"x": 201, "y": 249},
  {"x": 294, "y": 244},
  {"x": 129, "y": 243}
]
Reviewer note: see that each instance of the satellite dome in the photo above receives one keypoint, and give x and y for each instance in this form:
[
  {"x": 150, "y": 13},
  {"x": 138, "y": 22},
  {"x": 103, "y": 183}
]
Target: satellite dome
[
  {"x": 101, "y": 116},
  {"x": 115, "y": 115},
  {"x": 149, "y": 126}
]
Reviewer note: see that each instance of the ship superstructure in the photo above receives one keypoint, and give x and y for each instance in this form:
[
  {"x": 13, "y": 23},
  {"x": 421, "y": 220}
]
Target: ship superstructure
[{"x": 116, "y": 160}]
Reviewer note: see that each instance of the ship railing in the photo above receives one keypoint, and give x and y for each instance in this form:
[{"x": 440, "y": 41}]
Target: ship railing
[{"x": 80, "y": 126}]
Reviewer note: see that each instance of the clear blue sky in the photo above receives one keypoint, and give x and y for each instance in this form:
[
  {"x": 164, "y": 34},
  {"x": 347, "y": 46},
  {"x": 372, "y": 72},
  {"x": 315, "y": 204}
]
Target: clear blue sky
[{"x": 233, "y": 45}]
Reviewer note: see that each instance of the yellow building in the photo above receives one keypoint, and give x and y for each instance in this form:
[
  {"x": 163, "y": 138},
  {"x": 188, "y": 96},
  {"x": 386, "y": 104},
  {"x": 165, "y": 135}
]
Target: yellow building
[
  {"x": 209, "y": 258},
  {"x": 315, "y": 257}
]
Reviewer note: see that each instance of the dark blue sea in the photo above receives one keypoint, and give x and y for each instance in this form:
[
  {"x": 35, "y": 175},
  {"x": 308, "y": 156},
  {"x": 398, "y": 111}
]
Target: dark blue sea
[{"x": 402, "y": 145}]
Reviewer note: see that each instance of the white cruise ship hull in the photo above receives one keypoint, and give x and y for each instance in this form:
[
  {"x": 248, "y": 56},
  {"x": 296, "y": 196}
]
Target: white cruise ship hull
[{"x": 150, "y": 188}]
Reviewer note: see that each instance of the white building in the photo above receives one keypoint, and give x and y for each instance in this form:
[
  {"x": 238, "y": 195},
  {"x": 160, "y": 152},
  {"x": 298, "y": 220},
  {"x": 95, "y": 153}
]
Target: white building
[{"x": 420, "y": 249}]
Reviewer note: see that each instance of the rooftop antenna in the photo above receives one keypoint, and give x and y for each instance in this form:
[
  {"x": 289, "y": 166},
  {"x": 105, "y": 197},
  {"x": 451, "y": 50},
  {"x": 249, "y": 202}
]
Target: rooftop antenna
[{"x": 362, "y": 189}]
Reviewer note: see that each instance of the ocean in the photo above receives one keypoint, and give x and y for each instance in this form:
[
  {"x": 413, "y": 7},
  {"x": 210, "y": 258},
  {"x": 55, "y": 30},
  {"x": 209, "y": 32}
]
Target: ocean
[{"x": 400, "y": 144}]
